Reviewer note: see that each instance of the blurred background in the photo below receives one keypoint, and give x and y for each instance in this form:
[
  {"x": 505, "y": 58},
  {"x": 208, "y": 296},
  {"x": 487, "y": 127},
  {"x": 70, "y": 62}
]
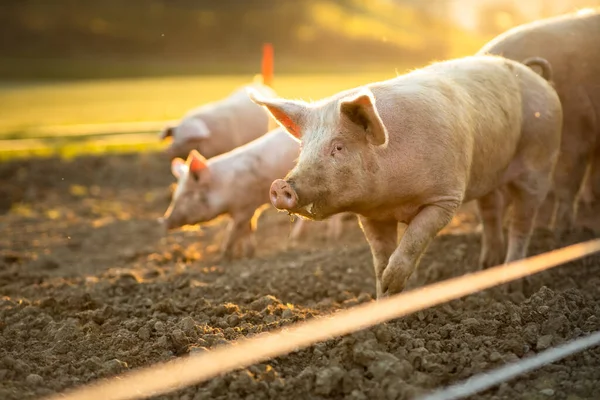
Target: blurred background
[{"x": 92, "y": 76}]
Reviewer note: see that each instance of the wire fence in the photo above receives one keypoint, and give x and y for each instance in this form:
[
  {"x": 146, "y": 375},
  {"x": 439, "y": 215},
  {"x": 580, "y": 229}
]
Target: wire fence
[
  {"x": 484, "y": 381},
  {"x": 166, "y": 377}
]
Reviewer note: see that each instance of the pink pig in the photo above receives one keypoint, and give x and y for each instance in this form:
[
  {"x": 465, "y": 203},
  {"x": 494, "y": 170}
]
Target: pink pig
[
  {"x": 570, "y": 43},
  {"x": 220, "y": 126},
  {"x": 235, "y": 184},
  {"x": 412, "y": 149}
]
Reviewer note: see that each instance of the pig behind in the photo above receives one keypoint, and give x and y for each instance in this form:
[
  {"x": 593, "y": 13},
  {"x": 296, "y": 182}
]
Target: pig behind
[
  {"x": 234, "y": 184},
  {"x": 218, "y": 127},
  {"x": 413, "y": 148},
  {"x": 570, "y": 44}
]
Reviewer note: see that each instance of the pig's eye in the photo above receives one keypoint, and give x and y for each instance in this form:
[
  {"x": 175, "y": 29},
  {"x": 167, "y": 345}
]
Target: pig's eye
[{"x": 336, "y": 148}]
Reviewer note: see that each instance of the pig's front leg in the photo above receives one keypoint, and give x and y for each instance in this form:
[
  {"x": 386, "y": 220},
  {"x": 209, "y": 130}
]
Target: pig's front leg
[
  {"x": 382, "y": 237},
  {"x": 419, "y": 233},
  {"x": 240, "y": 233},
  {"x": 297, "y": 230}
]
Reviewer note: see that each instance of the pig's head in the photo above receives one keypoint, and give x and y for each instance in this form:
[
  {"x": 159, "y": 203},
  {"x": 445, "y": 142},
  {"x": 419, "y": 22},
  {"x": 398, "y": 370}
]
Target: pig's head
[
  {"x": 338, "y": 160},
  {"x": 191, "y": 134},
  {"x": 192, "y": 202}
]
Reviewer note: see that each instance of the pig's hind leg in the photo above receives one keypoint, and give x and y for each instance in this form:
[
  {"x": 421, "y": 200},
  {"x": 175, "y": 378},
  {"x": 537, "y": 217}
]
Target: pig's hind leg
[
  {"x": 528, "y": 192},
  {"x": 491, "y": 210},
  {"x": 577, "y": 146}
]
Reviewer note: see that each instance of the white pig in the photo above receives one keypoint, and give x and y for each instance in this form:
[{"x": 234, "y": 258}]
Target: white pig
[
  {"x": 235, "y": 184},
  {"x": 412, "y": 149},
  {"x": 570, "y": 43},
  {"x": 215, "y": 128}
]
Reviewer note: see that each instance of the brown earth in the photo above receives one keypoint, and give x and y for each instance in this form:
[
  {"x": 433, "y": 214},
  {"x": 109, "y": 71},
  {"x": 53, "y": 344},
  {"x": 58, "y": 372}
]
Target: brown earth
[{"x": 91, "y": 287}]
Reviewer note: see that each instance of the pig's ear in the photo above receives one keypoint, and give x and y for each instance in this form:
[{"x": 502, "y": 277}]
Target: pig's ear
[
  {"x": 196, "y": 163},
  {"x": 178, "y": 167},
  {"x": 192, "y": 129},
  {"x": 289, "y": 114},
  {"x": 361, "y": 111},
  {"x": 165, "y": 133}
]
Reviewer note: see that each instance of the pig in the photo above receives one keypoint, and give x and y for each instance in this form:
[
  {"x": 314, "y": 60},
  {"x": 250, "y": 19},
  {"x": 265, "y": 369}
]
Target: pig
[
  {"x": 588, "y": 194},
  {"x": 235, "y": 184},
  {"x": 221, "y": 126},
  {"x": 412, "y": 149},
  {"x": 570, "y": 43}
]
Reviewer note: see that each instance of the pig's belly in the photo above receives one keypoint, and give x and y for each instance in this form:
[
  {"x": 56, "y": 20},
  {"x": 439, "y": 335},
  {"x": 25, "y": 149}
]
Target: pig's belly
[{"x": 495, "y": 181}]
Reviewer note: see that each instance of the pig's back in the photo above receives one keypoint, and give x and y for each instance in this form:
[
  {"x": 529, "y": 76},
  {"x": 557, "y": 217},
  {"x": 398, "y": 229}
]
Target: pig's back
[
  {"x": 235, "y": 119},
  {"x": 455, "y": 119},
  {"x": 270, "y": 156},
  {"x": 569, "y": 42}
]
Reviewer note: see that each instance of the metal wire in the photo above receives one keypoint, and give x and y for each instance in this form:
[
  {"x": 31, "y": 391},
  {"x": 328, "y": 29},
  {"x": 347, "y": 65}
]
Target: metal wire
[
  {"x": 166, "y": 377},
  {"x": 486, "y": 380}
]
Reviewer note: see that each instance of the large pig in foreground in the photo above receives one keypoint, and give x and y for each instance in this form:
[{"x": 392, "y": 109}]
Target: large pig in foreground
[
  {"x": 571, "y": 44},
  {"x": 412, "y": 149},
  {"x": 218, "y": 127},
  {"x": 235, "y": 184}
]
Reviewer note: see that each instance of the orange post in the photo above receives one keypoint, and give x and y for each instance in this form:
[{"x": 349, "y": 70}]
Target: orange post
[{"x": 267, "y": 64}]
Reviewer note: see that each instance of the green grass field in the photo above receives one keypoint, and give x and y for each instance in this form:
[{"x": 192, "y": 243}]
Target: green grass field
[{"x": 46, "y": 118}]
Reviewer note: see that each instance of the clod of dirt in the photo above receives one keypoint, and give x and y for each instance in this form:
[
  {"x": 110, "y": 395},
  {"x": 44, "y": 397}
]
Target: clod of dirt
[
  {"x": 34, "y": 379},
  {"x": 166, "y": 306},
  {"x": 114, "y": 366},
  {"x": 329, "y": 380},
  {"x": 127, "y": 280},
  {"x": 188, "y": 325},
  {"x": 159, "y": 327},
  {"x": 495, "y": 356},
  {"x": 144, "y": 333},
  {"x": 69, "y": 330},
  {"x": 387, "y": 365},
  {"x": 180, "y": 341},
  {"x": 531, "y": 332},
  {"x": 544, "y": 342},
  {"x": 163, "y": 341},
  {"x": 264, "y": 302}
]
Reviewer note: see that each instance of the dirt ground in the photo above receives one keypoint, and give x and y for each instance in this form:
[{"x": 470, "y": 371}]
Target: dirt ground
[{"x": 90, "y": 287}]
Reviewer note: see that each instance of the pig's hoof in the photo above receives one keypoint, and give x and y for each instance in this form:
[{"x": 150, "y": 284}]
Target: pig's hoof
[
  {"x": 491, "y": 260},
  {"x": 393, "y": 285}
]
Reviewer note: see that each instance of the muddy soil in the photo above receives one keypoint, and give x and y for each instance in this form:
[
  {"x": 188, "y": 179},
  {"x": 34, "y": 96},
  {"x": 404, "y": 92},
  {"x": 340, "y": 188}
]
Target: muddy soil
[{"x": 91, "y": 287}]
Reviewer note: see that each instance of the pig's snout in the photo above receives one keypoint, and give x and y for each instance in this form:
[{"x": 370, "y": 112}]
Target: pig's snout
[{"x": 283, "y": 196}]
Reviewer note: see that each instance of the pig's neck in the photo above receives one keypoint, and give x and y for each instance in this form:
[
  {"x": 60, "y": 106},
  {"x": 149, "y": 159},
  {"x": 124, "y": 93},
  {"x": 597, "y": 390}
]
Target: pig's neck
[{"x": 223, "y": 193}]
